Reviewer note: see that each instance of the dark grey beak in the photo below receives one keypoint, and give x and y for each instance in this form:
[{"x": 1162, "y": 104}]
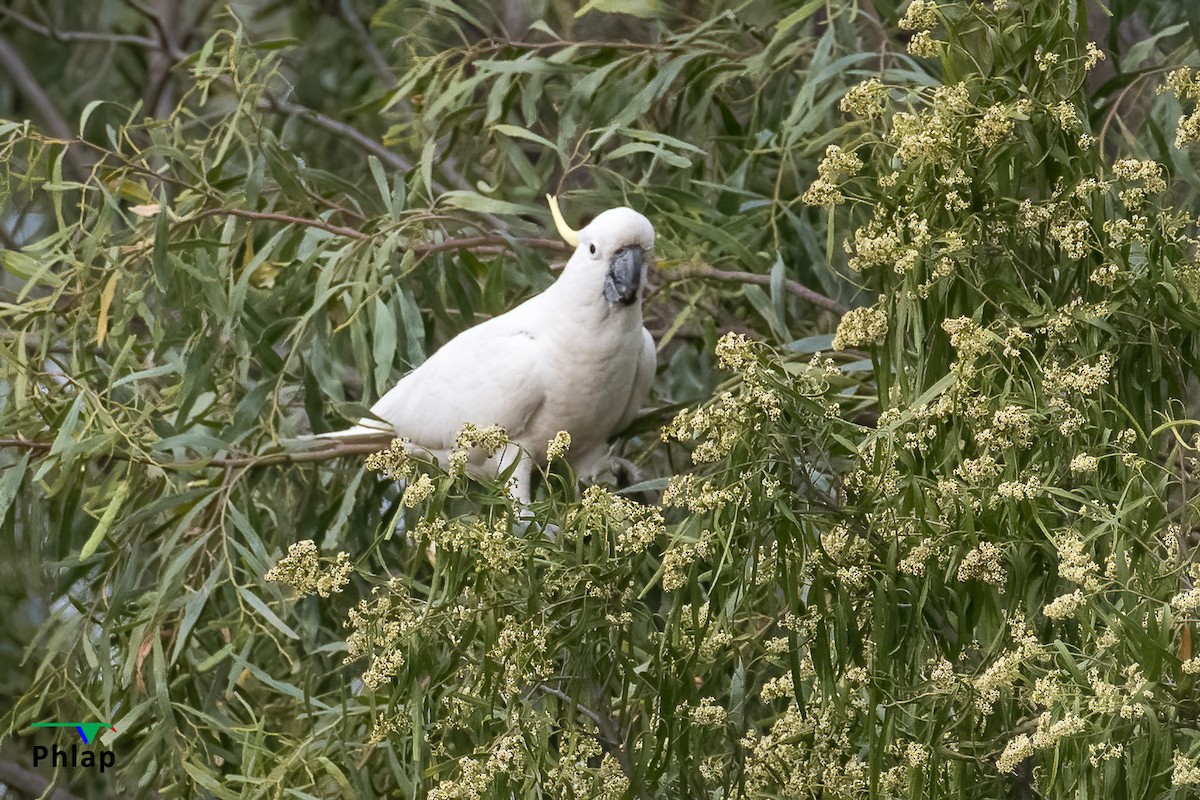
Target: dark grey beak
[{"x": 624, "y": 279}]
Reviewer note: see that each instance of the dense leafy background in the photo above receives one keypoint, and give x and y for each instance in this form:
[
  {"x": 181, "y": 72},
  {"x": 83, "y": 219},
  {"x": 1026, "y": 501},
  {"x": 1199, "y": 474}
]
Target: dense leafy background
[{"x": 227, "y": 226}]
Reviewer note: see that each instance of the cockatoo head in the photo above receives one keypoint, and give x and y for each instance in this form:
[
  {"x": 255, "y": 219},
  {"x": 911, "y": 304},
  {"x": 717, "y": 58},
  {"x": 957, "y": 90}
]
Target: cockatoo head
[{"x": 614, "y": 249}]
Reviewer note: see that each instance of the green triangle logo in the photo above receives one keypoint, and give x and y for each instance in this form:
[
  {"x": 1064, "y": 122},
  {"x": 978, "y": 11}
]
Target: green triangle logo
[{"x": 87, "y": 730}]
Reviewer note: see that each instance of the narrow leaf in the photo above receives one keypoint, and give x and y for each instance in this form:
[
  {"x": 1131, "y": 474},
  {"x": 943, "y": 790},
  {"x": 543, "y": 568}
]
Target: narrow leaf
[
  {"x": 106, "y": 522},
  {"x": 106, "y": 298}
]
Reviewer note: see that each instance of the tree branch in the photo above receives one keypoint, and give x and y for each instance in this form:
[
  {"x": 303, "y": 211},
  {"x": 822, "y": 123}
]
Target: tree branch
[
  {"x": 604, "y": 726},
  {"x": 274, "y": 216},
  {"x": 335, "y": 449},
  {"x": 361, "y": 446},
  {"x": 55, "y": 123},
  {"x": 378, "y": 62},
  {"x": 166, "y": 42},
  {"x": 795, "y": 287},
  {"x": 424, "y": 248},
  {"x": 158, "y": 96},
  {"x": 77, "y": 36},
  {"x": 276, "y": 105},
  {"x": 28, "y": 782}
]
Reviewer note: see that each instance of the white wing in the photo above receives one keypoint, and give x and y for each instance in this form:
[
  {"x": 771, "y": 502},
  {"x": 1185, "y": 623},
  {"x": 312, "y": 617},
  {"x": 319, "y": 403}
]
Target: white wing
[
  {"x": 492, "y": 374},
  {"x": 642, "y": 381}
]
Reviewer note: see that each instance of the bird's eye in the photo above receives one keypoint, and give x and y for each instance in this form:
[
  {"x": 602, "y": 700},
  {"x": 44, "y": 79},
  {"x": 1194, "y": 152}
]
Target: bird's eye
[{"x": 592, "y": 249}]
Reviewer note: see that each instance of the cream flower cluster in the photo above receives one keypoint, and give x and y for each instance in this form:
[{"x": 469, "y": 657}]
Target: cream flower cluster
[
  {"x": 866, "y": 99},
  {"x": 836, "y": 166},
  {"x": 1184, "y": 83},
  {"x": 861, "y": 327},
  {"x": 302, "y": 570},
  {"x": 636, "y": 526}
]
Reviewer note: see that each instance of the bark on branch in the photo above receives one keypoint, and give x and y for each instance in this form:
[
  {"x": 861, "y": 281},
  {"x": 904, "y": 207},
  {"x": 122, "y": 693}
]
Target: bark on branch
[
  {"x": 277, "y": 105},
  {"x": 323, "y": 450},
  {"x": 423, "y": 248},
  {"x": 795, "y": 287},
  {"x": 53, "y": 120},
  {"x": 30, "y": 783},
  {"x": 95, "y": 37}
]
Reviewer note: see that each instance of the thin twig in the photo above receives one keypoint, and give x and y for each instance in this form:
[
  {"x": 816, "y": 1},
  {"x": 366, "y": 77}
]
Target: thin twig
[
  {"x": 480, "y": 242},
  {"x": 424, "y": 248},
  {"x": 166, "y": 42},
  {"x": 22, "y": 443},
  {"x": 795, "y": 287},
  {"x": 277, "y": 105},
  {"x": 378, "y": 62},
  {"x": 158, "y": 95},
  {"x": 274, "y": 216},
  {"x": 25, "y": 82},
  {"x": 77, "y": 36},
  {"x": 335, "y": 449},
  {"x": 604, "y": 726}
]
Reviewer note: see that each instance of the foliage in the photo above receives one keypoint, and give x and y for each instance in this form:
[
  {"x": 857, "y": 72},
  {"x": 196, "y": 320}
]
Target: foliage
[{"x": 937, "y": 545}]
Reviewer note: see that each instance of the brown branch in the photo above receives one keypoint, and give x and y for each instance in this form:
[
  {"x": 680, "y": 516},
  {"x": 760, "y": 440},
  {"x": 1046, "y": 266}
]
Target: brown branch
[
  {"x": 28, "y": 782},
  {"x": 378, "y": 62},
  {"x": 276, "y": 105},
  {"x": 795, "y": 287},
  {"x": 158, "y": 96},
  {"x": 56, "y": 124},
  {"x": 274, "y": 216},
  {"x": 324, "y": 450},
  {"x": 425, "y": 248},
  {"x": 481, "y": 242},
  {"x": 360, "y": 446},
  {"x": 77, "y": 36},
  {"x": 166, "y": 42},
  {"x": 604, "y": 727},
  {"x": 24, "y": 444}
]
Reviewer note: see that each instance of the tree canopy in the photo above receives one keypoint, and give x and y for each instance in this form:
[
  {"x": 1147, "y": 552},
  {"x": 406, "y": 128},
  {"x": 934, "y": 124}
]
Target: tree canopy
[{"x": 910, "y": 514}]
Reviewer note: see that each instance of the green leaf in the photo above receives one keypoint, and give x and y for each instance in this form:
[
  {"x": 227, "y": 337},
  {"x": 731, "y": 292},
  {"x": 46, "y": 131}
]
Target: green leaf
[
  {"x": 333, "y": 536},
  {"x": 646, "y": 9},
  {"x": 27, "y": 268},
  {"x": 264, "y": 610},
  {"x": 66, "y": 431},
  {"x": 10, "y": 484},
  {"x": 796, "y": 17},
  {"x": 338, "y": 776},
  {"x": 208, "y": 781},
  {"x": 473, "y": 201},
  {"x": 517, "y": 132},
  {"x": 106, "y": 522},
  {"x": 384, "y": 346},
  {"x": 658, "y": 151}
]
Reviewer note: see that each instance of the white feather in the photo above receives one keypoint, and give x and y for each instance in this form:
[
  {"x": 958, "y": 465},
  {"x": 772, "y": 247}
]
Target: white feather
[{"x": 564, "y": 360}]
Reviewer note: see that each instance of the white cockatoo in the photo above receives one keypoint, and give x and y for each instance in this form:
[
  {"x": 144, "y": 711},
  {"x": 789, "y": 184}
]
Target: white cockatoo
[{"x": 574, "y": 358}]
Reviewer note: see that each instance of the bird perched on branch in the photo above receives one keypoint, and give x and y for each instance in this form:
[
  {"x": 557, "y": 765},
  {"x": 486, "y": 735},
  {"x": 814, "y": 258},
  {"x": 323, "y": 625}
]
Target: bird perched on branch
[{"x": 574, "y": 358}]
